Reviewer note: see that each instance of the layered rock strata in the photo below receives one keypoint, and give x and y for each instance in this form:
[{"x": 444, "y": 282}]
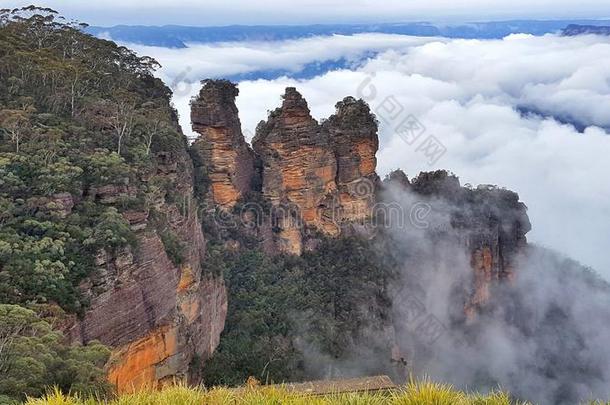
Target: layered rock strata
[
  {"x": 220, "y": 150},
  {"x": 156, "y": 315},
  {"x": 298, "y": 171},
  {"x": 352, "y": 131},
  {"x": 317, "y": 178}
]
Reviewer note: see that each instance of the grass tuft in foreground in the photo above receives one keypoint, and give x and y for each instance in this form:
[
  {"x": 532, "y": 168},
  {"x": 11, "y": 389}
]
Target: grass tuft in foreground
[{"x": 425, "y": 392}]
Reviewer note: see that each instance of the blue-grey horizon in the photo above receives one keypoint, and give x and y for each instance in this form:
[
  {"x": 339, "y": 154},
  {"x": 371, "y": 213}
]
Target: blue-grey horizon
[{"x": 257, "y": 12}]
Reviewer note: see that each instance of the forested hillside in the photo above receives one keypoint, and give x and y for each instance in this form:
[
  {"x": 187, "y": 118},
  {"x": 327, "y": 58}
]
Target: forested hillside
[{"x": 77, "y": 115}]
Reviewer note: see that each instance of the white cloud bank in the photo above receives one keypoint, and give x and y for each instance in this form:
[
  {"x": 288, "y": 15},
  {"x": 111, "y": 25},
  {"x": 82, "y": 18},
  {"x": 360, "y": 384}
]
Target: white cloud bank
[
  {"x": 230, "y": 58},
  {"x": 466, "y": 94}
]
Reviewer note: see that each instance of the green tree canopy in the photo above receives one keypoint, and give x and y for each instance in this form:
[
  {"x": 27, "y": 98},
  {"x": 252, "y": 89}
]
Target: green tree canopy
[
  {"x": 34, "y": 358},
  {"x": 81, "y": 119}
]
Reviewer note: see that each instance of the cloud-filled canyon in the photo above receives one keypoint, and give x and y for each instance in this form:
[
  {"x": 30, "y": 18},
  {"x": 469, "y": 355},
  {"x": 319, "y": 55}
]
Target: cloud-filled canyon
[{"x": 525, "y": 112}]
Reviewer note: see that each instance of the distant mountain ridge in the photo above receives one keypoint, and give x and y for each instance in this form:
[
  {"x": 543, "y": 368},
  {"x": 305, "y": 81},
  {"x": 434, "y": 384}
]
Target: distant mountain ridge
[
  {"x": 176, "y": 36},
  {"x": 576, "y": 29}
]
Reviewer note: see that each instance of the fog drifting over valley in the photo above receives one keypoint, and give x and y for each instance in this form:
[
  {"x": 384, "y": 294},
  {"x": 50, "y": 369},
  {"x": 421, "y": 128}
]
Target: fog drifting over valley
[
  {"x": 543, "y": 336},
  {"x": 526, "y": 113}
]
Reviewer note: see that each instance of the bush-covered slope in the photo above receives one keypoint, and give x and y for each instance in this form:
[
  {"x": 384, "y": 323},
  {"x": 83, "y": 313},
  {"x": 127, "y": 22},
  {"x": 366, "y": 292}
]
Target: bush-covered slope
[
  {"x": 81, "y": 123},
  {"x": 76, "y": 114},
  {"x": 33, "y": 357},
  {"x": 296, "y": 318}
]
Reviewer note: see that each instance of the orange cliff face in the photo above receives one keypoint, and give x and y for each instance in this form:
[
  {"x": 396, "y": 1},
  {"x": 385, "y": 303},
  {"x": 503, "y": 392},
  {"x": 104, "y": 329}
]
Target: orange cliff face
[
  {"x": 220, "y": 150},
  {"x": 136, "y": 366},
  {"x": 299, "y": 170},
  {"x": 352, "y": 131},
  {"x": 482, "y": 262},
  {"x": 155, "y": 315},
  {"x": 327, "y": 172},
  {"x": 160, "y": 358}
]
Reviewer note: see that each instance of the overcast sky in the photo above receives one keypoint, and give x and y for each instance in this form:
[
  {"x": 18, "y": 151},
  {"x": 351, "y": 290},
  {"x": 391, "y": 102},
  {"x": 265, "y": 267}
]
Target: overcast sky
[{"x": 226, "y": 12}]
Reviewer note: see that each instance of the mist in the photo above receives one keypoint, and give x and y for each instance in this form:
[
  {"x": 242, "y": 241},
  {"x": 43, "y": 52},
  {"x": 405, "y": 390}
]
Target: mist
[{"x": 542, "y": 335}]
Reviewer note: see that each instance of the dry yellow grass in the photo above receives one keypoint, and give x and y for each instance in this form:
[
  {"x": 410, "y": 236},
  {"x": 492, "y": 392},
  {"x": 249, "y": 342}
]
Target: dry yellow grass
[{"x": 423, "y": 392}]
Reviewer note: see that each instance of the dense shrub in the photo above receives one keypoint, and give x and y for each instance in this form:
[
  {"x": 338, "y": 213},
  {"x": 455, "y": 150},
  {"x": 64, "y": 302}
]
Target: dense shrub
[
  {"x": 288, "y": 315},
  {"x": 33, "y": 358}
]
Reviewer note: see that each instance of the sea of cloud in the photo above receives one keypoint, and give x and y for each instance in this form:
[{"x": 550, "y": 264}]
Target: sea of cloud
[{"x": 528, "y": 113}]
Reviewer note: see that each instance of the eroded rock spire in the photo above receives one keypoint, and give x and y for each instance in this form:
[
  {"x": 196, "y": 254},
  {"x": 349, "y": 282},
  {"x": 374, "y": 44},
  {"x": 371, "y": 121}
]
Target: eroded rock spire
[{"x": 221, "y": 152}]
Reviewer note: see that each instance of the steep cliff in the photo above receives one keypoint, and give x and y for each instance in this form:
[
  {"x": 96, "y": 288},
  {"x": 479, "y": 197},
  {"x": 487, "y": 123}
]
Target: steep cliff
[
  {"x": 98, "y": 213},
  {"x": 158, "y": 313},
  {"x": 490, "y": 223},
  {"x": 352, "y": 131},
  {"x": 298, "y": 171},
  {"x": 220, "y": 152}
]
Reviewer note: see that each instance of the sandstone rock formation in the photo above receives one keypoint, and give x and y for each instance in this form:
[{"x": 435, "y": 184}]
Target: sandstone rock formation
[
  {"x": 317, "y": 178},
  {"x": 221, "y": 150},
  {"x": 490, "y": 223},
  {"x": 156, "y": 315},
  {"x": 352, "y": 131},
  {"x": 298, "y": 171},
  {"x": 159, "y": 316}
]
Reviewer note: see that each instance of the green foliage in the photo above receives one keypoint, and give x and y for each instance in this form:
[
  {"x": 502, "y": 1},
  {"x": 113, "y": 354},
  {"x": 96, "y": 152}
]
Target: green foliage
[
  {"x": 33, "y": 357},
  {"x": 286, "y": 313},
  {"x": 173, "y": 247},
  {"x": 39, "y": 259},
  {"x": 106, "y": 167},
  {"x": 77, "y": 115},
  {"x": 256, "y": 339},
  {"x": 111, "y": 231}
]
